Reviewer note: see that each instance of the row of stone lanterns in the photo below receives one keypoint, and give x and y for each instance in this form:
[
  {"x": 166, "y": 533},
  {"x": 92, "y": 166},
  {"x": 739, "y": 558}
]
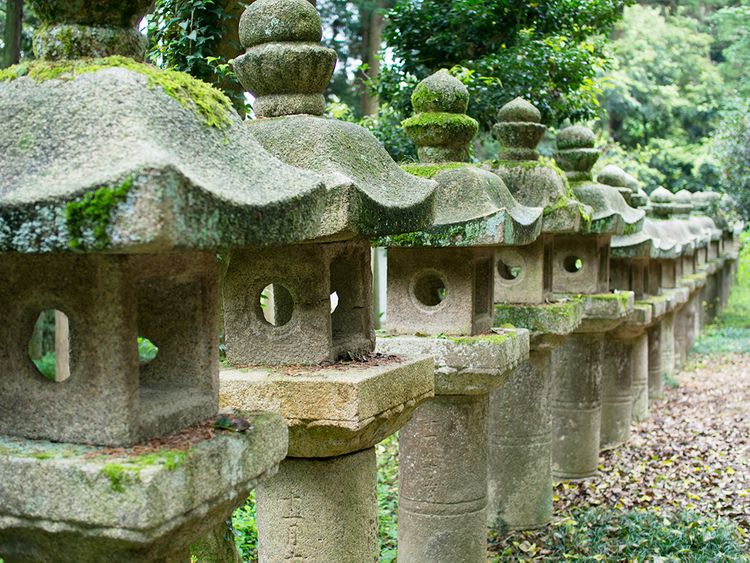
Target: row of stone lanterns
[{"x": 532, "y": 311}]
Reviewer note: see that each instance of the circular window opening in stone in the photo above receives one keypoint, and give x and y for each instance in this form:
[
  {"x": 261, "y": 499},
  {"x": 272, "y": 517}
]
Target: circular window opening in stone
[
  {"x": 573, "y": 264},
  {"x": 147, "y": 350},
  {"x": 49, "y": 345},
  {"x": 430, "y": 290},
  {"x": 276, "y": 304},
  {"x": 508, "y": 272}
]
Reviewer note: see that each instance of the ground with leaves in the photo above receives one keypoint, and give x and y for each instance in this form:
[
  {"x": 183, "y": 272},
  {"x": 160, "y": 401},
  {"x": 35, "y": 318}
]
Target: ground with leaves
[{"x": 680, "y": 486}]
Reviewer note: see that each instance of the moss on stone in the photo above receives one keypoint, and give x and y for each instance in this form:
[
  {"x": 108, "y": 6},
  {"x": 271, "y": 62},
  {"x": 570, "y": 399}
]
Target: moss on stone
[
  {"x": 449, "y": 235},
  {"x": 458, "y": 121},
  {"x": 525, "y": 164},
  {"x": 115, "y": 472},
  {"x": 91, "y": 214},
  {"x": 553, "y": 318},
  {"x": 119, "y": 473},
  {"x": 431, "y": 170},
  {"x": 208, "y": 103},
  {"x": 489, "y": 338},
  {"x": 440, "y": 92}
]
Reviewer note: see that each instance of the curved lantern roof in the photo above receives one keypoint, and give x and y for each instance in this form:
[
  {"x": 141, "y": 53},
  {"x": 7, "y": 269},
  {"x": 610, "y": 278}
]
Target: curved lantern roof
[
  {"x": 287, "y": 70},
  {"x": 473, "y": 206},
  {"x": 637, "y": 244},
  {"x": 128, "y": 148},
  {"x": 531, "y": 180},
  {"x": 576, "y": 155}
]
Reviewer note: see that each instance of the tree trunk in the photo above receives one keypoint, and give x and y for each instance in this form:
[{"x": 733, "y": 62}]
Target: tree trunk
[
  {"x": 371, "y": 32},
  {"x": 13, "y": 21}
]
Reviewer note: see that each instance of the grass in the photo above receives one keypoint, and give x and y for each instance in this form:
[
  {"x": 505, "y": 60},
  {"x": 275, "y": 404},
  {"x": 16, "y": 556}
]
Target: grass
[
  {"x": 604, "y": 534},
  {"x": 387, "y": 454},
  {"x": 246, "y": 529},
  {"x": 730, "y": 332}
]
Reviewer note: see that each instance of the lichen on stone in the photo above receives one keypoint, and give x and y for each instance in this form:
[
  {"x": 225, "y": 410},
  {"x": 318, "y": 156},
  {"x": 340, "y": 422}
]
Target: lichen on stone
[
  {"x": 120, "y": 472},
  {"x": 208, "y": 103},
  {"x": 493, "y": 338}
]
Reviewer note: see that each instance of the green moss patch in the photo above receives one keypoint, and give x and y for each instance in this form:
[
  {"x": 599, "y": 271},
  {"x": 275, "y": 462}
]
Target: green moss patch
[
  {"x": 208, "y": 103},
  {"x": 552, "y": 318},
  {"x": 92, "y": 214},
  {"x": 441, "y": 119},
  {"x": 489, "y": 338},
  {"x": 431, "y": 170},
  {"x": 122, "y": 471}
]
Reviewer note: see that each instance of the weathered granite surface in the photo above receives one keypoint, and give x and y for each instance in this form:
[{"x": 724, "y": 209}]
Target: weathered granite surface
[
  {"x": 105, "y": 140},
  {"x": 464, "y": 365},
  {"x": 83, "y": 505},
  {"x": 332, "y": 411}
]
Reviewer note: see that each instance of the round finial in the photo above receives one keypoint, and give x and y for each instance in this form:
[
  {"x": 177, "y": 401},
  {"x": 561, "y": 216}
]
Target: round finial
[
  {"x": 440, "y": 92},
  {"x": 576, "y": 154},
  {"x": 662, "y": 202},
  {"x": 683, "y": 201},
  {"x": 519, "y": 130},
  {"x": 576, "y": 137},
  {"x": 661, "y": 195},
  {"x": 616, "y": 177},
  {"x": 612, "y": 175},
  {"x": 519, "y": 111},
  {"x": 269, "y": 21},
  {"x": 89, "y": 28},
  {"x": 284, "y": 66},
  {"x": 632, "y": 182},
  {"x": 440, "y": 128}
]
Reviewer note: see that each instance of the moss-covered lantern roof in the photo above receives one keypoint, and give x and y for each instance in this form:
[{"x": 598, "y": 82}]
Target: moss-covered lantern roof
[
  {"x": 110, "y": 154},
  {"x": 473, "y": 206},
  {"x": 576, "y": 155}
]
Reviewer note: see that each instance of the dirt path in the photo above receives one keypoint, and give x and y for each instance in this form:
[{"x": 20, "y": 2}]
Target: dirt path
[{"x": 693, "y": 453}]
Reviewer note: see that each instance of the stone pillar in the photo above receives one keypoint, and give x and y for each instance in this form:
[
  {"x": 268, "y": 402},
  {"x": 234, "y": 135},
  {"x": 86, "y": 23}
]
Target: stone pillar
[
  {"x": 655, "y": 382},
  {"x": 667, "y": 348},
  {"x": 679, "y": 324},
  {"x": 520, "y": 454},
  {"x": 640, "y": 370},
  {"x": 576, "y": 406},
  {"x": 301, "y": 510},
  {"x": 443, "y": 481},
  {"x": 617, "y": 397},
  {"x": 443, "y": 449}
]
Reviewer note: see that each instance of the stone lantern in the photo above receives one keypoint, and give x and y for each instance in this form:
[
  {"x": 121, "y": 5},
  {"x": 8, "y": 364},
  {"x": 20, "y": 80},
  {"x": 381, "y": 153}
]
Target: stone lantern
[
  {"x": 581, "y": 267},
  {"x": 118, "y": 183},
  {"x": 665, "y": 279},
  {"x": 440, "y": 302},
  {"x": 308, "y": 355},
  {"x": 708, "y": 205},
  {"x": 520, "y": 431},
  {"x": 625, "y": 374}
]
